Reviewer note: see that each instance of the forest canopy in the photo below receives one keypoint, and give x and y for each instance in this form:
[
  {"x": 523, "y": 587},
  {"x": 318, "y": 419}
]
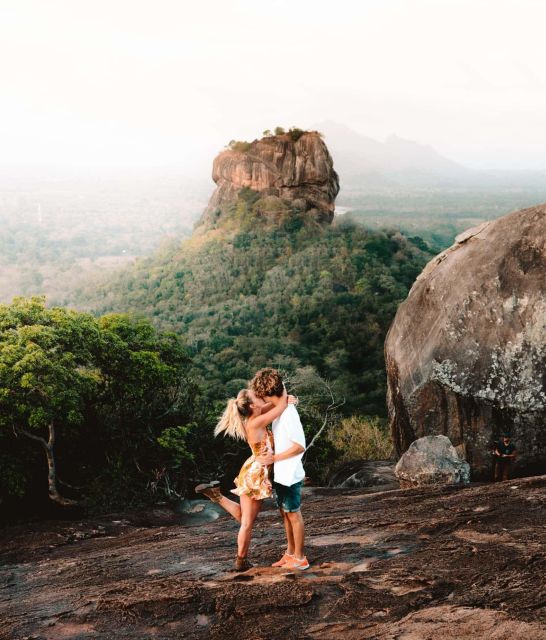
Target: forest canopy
[
  {"x": 124, "y": 401},
  {"x": 88, "y": 406},
  {"x": 289, "y": 294}
]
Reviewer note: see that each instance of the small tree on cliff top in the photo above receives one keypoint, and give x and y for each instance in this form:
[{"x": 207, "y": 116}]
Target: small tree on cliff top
[
  {"x": 295, "y": 133},
  {"x": 239, "y": 145}
]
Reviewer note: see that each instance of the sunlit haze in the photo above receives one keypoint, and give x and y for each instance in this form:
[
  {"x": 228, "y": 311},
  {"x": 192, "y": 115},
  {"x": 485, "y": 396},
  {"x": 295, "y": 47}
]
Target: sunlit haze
[{"x": 124, "y": 83}]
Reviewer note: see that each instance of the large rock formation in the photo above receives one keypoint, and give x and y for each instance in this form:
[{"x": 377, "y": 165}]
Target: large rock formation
[
  {"x": 277, "y": 167},
  {"x": 466, "y": 353}
]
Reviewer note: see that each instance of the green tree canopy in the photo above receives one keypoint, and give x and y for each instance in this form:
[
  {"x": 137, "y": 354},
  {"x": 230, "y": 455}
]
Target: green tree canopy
[{"x": 94, "y": 394}]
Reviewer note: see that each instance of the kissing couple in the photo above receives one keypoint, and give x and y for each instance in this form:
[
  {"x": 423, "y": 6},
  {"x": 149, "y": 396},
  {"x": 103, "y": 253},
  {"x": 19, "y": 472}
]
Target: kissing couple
[{"x": 265, "y": 416}]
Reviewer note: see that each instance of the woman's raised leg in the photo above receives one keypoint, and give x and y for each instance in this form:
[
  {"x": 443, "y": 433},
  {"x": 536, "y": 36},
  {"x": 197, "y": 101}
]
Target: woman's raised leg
[{"x": 232, "y": 507}]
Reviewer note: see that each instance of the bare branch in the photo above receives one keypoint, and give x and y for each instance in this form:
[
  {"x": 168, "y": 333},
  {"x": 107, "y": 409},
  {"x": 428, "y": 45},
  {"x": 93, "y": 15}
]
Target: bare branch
[
  {"x": 39, "y": 439},
  {"x": 65, "y": 484},
  {"x": 329, "y": 409}
]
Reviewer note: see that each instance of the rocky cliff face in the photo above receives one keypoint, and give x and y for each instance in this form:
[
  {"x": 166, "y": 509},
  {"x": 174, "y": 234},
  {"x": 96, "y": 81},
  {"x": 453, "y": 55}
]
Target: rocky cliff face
[
  {"x": 466, "y": 353},
  {"x": 277, "y": 167}
]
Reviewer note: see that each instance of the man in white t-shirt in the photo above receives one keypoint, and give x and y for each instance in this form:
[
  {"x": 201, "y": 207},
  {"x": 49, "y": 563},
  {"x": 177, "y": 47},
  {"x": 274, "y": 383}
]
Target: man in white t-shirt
[{"x": 288, "y": 469}]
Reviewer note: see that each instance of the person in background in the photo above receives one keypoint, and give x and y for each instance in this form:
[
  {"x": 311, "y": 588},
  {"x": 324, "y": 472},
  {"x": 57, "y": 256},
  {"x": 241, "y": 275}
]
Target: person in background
[{"x": 504, "y": 453}]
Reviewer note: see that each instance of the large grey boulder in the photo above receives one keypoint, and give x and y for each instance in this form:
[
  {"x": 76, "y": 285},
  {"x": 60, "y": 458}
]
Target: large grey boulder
[
  {"x": 431, "y": 460},
  {"x": 466, "y": 353}
]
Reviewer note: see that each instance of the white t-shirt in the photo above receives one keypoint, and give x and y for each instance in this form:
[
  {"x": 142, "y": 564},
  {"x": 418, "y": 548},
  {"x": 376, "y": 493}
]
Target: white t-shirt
[{"x": 287, "y": 430}]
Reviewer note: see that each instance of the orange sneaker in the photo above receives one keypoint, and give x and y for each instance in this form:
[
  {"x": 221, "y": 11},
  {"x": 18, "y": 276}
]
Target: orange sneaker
[
  {"x": 280, "y": 563},
  {"x": 296, "y": 563}
]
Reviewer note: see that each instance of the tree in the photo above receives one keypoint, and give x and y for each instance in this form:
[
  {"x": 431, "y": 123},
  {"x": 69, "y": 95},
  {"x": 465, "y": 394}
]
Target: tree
[
  {"x": 279, "y": 131},
  {"x": 103, "y": 398},
  {"x": 295, "y": 133},
  {"x": 146, "y": 393},
  {"x": 45, "y": 374}
]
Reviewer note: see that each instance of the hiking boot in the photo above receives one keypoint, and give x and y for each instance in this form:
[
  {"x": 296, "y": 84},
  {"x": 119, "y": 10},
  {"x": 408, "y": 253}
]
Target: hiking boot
[
  {"x": 280, "y": 563},
  {"x": 242, "y": 564},
  {"x": 211, "y": 490},
  {"x": 296, "y": 563}
]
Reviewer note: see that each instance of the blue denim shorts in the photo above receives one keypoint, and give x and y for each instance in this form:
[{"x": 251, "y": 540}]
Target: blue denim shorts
[{"x": 288, "y": 498}]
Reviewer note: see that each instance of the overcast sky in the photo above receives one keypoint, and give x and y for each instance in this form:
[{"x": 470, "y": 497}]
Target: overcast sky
[{"x": 140, "y": 82}]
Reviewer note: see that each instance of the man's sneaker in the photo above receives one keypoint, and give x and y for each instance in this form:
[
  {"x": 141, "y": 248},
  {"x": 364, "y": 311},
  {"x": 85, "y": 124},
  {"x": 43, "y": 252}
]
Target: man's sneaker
[
  {"x": 280, "y": 563},
  {"x": 242, "y": 564},
  {"x": 295, "y": 563}
]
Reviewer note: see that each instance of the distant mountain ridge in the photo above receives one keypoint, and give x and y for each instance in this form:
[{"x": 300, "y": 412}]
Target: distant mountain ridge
[
  {"x": 358, "y": 158},
  {"x": 365, "y": 163}
]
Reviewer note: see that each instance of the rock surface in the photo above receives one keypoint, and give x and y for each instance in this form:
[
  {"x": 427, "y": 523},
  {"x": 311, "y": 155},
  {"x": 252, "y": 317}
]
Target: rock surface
[
  {"x": 431, "y": 460},
  {"x": 440, "y": 562},
  {"x": 279, "y": 168},
  {"x": 466, "y": 353},
  {"x": 364, "y": 473}
]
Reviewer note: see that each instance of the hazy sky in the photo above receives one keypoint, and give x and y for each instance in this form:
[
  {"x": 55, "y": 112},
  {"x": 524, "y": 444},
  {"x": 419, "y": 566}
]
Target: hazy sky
[{"x": 139, "y": 82}]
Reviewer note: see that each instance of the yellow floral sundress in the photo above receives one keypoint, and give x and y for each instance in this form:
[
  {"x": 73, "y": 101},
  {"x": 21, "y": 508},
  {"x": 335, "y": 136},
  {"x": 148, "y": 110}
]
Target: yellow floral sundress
[{"x": 253, "y": 479}]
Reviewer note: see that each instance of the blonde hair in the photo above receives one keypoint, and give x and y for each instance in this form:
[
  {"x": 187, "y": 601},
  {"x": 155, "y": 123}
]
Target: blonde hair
[{"x": 232, "y": 422}]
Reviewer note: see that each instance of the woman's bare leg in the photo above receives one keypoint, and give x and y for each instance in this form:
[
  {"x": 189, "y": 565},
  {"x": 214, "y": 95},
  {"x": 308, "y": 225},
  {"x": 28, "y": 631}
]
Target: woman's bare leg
[
  {"x": 250, "y": 508},
  {"x": 232, "y": 507}
]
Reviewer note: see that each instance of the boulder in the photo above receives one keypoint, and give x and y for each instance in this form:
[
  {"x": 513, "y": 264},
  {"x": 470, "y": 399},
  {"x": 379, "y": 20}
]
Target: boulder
[
  {"x": 363, "y": 473},
  {"x": 466, "y": 352},
  {"x": 431, "y": 460},
  {"x": 282, "y": 170}
]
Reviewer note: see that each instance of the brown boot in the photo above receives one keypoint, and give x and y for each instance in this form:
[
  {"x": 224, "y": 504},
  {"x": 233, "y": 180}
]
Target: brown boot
[
  {"x": 211, "y": 490},
  {"x": 242, "y": 564}
]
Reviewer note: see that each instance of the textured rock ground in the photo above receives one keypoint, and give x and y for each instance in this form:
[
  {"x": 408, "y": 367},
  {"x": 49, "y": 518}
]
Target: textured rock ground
[
  {"x": 279, "y": 168},
  {"x": 365, "y": 473},
  {"x": 413, "y": 564},
  {"x": 466, "y": 353}
]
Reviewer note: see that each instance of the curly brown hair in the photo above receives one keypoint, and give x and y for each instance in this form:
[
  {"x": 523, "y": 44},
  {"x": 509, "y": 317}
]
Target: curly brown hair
[{"x": 266, "y": 383}]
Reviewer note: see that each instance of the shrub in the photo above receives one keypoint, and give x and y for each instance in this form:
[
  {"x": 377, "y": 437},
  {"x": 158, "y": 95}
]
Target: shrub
[
  {"x": 295, "y": 133},
  {"x": 279, "y": 131},
  {"x": 362, "y": 437},
  {"x": 239, "y": 145}
]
